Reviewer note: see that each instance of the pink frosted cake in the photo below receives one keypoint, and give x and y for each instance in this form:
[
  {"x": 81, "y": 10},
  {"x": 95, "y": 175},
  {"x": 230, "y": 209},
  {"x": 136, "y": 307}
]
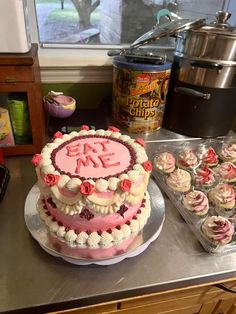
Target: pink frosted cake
[{"x": 93, "y": 191}]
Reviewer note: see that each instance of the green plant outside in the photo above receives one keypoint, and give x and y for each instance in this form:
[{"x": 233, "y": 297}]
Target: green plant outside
[{"x": 68, "y": 14}]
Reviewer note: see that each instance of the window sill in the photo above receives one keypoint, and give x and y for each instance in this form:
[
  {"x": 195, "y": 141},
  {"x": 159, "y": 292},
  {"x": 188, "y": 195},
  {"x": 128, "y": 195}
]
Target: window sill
[{"x": 75, "y": 66}]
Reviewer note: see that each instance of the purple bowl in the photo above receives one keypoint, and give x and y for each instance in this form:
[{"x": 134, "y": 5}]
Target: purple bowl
[{"x": 58, "y": 111}]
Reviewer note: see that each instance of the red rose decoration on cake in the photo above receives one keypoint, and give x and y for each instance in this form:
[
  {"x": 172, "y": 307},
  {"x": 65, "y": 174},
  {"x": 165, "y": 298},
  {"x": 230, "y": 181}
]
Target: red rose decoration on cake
[
  {"x": 36, "y": 159},
  {"x": 51, "y": 179},
  {"x": 57, "y": 135},
  {"x": 140, "y": 141},
  {"x": 125, "y": 185},
  {"x": 113, "y": 129},
  {"x": 147, "y": 165},
  {"x": 84, "y": 127},
  {"x": 86, "y": 188}
]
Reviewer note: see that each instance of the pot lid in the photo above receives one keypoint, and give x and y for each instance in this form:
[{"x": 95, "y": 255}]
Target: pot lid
[
  {"x": 173, "y": 26},
  {"x": 220, "y": 26}
]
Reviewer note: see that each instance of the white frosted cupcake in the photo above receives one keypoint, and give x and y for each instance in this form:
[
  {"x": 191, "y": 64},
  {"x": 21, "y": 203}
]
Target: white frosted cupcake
[
  {"x": 209, "y": 157},
  {"x": 165, "y": 162},
  {"x": 187, "y": 159},
  {"x": 179, "y": 180},
  {"x": 196, "y": 202},
  {"x": 228, "y": 152},
  {"x": 218, "y": 230},
  {"x": 226, "y": 171},
  {"x": 204, "y": 177},
  {"x": 222, "y": 196}
]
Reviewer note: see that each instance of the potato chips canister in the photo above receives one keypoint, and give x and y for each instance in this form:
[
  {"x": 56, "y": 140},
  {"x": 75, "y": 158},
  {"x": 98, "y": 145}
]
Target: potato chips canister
[{"x": 139, "y": 94}]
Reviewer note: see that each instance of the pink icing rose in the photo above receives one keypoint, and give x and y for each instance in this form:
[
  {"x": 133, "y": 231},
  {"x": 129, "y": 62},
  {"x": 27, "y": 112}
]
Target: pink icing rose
[
  {"x": 84, "y": 127},
  {"x": 113, "y": 129},
  {"x": 147, "y": 165},
  {"x": 36, "y": 159},
  {"x": 86, "y": 188},
  {"x": 140, "y": 141},
  {"x": 51, "y": 179},
  {"x": 58, "y": 134},
  {"x": 125, "y": 185}
]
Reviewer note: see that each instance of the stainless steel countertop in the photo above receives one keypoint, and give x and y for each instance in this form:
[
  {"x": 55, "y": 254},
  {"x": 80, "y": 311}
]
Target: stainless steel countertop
[{"x": 31, "y": 278}]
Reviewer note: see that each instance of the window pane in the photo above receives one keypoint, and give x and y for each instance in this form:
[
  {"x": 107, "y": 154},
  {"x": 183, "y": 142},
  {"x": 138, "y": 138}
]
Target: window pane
[{"x": 110, "y": 22}]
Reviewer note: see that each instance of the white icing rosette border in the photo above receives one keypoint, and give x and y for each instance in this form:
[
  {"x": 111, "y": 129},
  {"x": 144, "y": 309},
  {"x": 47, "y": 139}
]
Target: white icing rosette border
[{"x": 95, "y": 240}]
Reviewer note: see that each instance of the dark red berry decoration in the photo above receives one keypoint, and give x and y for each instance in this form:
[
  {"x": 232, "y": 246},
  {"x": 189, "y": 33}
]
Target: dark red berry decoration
[
  {"x": 50, "y": 202},
  {"x": 122, "y": 210},
  {"x": 86, "y": 214}
]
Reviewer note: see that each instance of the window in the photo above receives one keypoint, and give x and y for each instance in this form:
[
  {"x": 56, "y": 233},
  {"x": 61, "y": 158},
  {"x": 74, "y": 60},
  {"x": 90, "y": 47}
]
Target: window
[{"x": 78, "y": 33}]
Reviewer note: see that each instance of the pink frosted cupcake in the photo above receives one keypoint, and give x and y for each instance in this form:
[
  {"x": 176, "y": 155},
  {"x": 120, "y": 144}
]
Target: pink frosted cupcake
[
  {"x": 209, "y": 157},
  {"x": 179, "y": 180},
  {"x": 226, "y": 171},
  {"x": 222, "y": 196},
  {"x": 165, "y": 162},
  {"x": 187, "y": 159},
  {"x": 204, "y": 177},
  {"x": 228, "y": 152},
  {"x": 196, "y": 202},
  {"x": 218, "y": 230}
]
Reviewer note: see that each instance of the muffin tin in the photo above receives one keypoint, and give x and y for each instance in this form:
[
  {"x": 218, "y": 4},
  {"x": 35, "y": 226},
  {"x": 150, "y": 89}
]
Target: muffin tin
[{"x": 204, "y": 157}]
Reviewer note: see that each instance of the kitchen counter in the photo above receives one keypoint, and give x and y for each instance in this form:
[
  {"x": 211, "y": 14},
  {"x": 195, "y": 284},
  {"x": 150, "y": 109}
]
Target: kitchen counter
[{"x": 32, "y": 279}]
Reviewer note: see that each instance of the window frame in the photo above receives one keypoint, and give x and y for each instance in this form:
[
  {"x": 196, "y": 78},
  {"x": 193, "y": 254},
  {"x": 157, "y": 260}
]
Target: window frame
[{"x": 75, "y": 63}]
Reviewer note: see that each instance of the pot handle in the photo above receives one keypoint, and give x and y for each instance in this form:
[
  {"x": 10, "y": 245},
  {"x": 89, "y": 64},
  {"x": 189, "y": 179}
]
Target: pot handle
[
  {"x": 192, "y": 92},
  {"x": 206, "y": 64}
]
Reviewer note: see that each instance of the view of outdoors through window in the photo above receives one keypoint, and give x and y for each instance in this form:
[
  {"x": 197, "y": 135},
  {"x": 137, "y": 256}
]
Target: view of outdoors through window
[{"x": 109, "y": 22}]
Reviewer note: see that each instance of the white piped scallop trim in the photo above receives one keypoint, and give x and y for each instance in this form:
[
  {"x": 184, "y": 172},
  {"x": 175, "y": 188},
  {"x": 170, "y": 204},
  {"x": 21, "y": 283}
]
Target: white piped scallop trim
[
  {"x": 95, "y": 240},
  {"x": 73, "y": 204}
]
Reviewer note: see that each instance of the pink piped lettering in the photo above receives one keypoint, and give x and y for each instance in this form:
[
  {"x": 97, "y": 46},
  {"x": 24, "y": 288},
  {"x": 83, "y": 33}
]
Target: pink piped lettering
[
  {"x": 85, "y": 163},
  {"x": 88, "y": 148},
  {"x": 103, "y": 144},
  {"x": 105, "y": 159},
  {"x": 73, "y": 150}
]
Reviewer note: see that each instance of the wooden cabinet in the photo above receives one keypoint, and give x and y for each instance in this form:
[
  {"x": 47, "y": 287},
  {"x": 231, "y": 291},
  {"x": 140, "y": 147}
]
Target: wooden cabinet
[
  {"x": 204, "y": 299},
  {"x": 20, "y": 74}
]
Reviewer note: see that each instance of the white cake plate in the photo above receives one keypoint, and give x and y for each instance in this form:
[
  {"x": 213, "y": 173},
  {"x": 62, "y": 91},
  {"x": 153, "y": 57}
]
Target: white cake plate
[{"x": 150, "y": 232}]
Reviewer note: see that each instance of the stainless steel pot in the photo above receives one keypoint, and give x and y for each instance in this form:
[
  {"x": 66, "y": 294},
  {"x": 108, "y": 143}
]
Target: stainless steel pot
[
  {"x": 214, "y": 43},
  {"x": 202, "y": 91},
  {"x": 205, "y": 73}
]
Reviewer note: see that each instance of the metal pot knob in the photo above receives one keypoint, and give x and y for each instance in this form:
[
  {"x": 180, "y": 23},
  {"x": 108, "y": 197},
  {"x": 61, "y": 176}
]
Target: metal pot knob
[{"x": 222, "y": 17}]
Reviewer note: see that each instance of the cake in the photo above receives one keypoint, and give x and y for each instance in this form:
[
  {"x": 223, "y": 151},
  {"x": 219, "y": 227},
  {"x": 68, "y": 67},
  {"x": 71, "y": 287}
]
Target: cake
[
  {"x": 218, "y": 230},
  {"x": 179, "y": 180},
  {"x": 228, "y": 152},
  {"x": 204, "y": 177},
  {"x": 93, "y": 191},
  {"x": 226, "y": 171},
  {"x": 196, "y": 202},
  {"x": 165, "y": 162},
  {"x": 187, "y": 159},
  {"x": 222, "y": 196},
  {"x": 209, "y": 157}
]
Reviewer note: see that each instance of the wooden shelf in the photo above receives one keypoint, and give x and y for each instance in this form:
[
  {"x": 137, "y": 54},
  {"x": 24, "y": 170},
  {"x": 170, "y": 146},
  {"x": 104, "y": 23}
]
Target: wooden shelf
[{"x": 20, "y": 73}]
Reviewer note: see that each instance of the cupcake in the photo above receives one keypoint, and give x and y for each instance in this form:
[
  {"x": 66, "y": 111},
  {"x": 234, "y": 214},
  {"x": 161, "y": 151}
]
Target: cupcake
[
  {"x": 209, "y": 157},
  {"x": 196, "y": 202},
  {"x": 226, "y": 171},
  {"x": 218, "y": 230},
  {"x": 228, "y": 152},
  {"x": 222, "y": 196},
  {"x": 204, "y": 177},
  {"x": 165, "y": 162},
  {"x": 179, "y": 180},
  {"x": 187, "y": 159}
]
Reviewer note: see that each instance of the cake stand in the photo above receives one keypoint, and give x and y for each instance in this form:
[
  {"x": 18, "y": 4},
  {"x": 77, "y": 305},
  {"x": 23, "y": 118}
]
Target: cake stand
[{"x": 150, "y": 232}]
